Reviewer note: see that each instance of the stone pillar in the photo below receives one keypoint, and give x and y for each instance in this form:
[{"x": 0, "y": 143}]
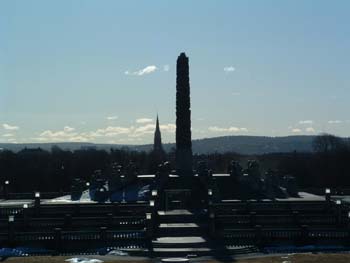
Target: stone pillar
[
  {"x": 183, "y": 118},
  {"x": 258, "y": 235}
]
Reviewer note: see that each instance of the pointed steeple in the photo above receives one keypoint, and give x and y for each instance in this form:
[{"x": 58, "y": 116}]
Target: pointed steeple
[{"x": 157, "y": 146}]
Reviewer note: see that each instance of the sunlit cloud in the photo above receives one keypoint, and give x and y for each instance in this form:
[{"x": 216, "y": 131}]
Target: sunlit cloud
[
  {"x": 12, "y": 140},
  {"x": 310, "y": 129},
  {"x": 166, "y": 68},
  {"x": 144, "y": 120},
  {"x": 68, "y": 129},
  {"x": 8, "y": 135},
  {"x": 229, "y": 69},
  {"x": 112, "y": 118},
  {"x": 10, "y": 127},
  {"x": 108, "y": 133},
  {"x": 296, "y": 130},
  {"x": 335, "y": 122},
  {"x": 144, "y": 71},
  {"x": 229, "y": 129},
  {"x": 306, "y": 122}
]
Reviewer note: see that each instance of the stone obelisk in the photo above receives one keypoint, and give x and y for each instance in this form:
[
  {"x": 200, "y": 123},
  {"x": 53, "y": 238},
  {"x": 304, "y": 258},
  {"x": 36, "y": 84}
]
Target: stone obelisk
[{"x": 183, "y": 118}]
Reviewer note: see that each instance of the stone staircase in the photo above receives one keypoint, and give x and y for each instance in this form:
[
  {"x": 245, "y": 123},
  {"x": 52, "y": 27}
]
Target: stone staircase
[{"x": 184, "y": 233}]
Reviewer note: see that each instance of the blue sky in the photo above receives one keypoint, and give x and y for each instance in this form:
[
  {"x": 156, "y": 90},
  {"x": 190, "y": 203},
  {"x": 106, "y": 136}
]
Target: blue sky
[{"x": 100, "y": 71}]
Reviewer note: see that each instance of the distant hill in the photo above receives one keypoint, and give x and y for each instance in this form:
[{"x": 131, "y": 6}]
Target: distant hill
[{"x": 239, "y": 144}]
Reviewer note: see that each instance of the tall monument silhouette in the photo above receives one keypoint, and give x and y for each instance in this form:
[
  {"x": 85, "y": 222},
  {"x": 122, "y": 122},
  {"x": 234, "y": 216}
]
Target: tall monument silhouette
[
  {"x": 183, "y": 118},
  {"x": 157, "y": 145}
]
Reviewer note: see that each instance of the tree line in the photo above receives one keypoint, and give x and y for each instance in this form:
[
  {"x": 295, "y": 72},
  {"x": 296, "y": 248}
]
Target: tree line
[{"x": 51, "y": 171}]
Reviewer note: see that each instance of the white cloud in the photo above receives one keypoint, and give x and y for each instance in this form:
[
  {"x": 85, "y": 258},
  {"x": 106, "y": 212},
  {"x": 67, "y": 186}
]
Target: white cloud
[
  {"x": 306, "y": 122},
  {"x": 112, "y": 118},
  {"x": 8, "y": 135},
  {"x": 236, "y": 93},
  {"x": 144, "y": 120},
  {"x": 229, "y": 69},
  {"x": 147, "y": 70},
  {"x": 166, "y": 68},
  {"x": 68, "y": 129},
  {"x": 335, "y": 122},
  {"x": 12, "y": 140},
  {"x": 10, "y": 127},
  {"x": 109, "y": 133},
  {"x": 144, "y": 71},
  {"x": 310, "y": 129},
  {"x": 296, "y": 130},
  {"x": 170, "y": 128},
  {"x": 229, "y": 129}
]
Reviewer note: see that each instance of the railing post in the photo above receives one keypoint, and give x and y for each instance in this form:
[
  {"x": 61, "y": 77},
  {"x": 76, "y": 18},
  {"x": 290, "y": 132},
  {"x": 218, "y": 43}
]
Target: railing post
[
  {"x": 212, "y": 225},
  {"x": 305, "y": 234},
  {"x": 58, "y": 240},
  {"x": 252, "y": 218},
  {"x": 258, "y": 235},
  {"x": 115, "y": 209},
  {"x": 296, "y": 217},
  {"x": 67, "y": 221},
  {"x": 110, "y": 221},
  {"x": 247, "y": 206},
  {"x": 103, "y": 234},
  {"x": 76, "y": 209}
]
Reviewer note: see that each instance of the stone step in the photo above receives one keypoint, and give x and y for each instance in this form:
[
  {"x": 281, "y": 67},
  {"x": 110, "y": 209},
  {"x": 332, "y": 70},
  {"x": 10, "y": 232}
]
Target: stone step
[
  {"x": 180, "y": 212},
  {"x": 181, "y": 229},
  {"x": 203, "y": 251},
  {"x": 180, "y": 242},
  {"x": 180, "y": 225}
]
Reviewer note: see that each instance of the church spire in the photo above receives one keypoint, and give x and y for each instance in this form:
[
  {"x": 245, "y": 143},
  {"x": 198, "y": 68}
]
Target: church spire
[{"x": 157, "y": 146}]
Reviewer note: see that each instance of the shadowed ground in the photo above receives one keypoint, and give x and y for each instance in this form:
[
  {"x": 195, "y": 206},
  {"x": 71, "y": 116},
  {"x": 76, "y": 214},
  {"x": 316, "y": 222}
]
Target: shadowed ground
[{"x": 296, "y": 258}]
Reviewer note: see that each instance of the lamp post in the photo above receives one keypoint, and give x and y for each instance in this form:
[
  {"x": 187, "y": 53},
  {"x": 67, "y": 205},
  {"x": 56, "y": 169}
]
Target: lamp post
[
  {"x": 37, "y": 203},
  {"x": 328, "y": 195},
  {"x": 210, "y": 197},
  {"x": 11, "y": 230},
  {"x": 25, "y": 214},
  {"x": 339, "y": 211},
  {"x": 6, "y": 189},
  {"x": 149, "y": 230}
]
